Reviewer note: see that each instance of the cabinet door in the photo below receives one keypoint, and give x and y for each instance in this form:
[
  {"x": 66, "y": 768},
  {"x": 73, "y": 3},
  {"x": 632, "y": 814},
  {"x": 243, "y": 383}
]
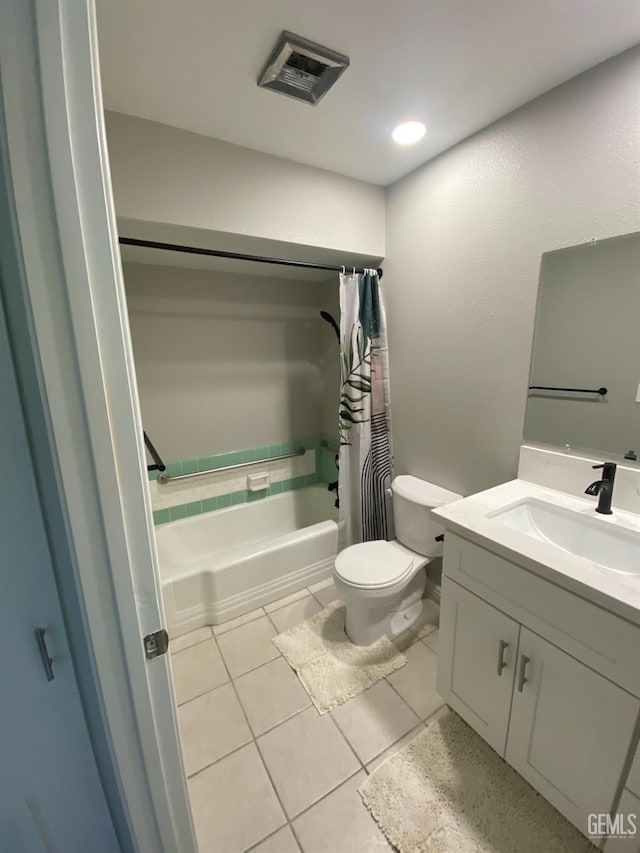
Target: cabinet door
[
  {"x": 477, "y": 650},
  {"x": 626, "y": 837},
  {"x": 570, "y": 730}
]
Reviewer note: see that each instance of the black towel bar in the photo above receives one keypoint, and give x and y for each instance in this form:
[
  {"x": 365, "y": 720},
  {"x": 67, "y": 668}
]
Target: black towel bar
[{"x": 601, "y": 391}]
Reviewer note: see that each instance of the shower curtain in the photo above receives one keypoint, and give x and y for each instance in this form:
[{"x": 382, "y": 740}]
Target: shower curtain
[{"x": 364, "y": 414}]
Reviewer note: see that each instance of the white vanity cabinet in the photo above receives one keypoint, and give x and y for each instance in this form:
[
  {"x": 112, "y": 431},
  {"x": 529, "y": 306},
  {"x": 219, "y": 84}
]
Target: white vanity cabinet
[
  {"x": 508, "y": 664},
  {"x": 477, "y": 654},
  {"x": 570, "y": 729}
]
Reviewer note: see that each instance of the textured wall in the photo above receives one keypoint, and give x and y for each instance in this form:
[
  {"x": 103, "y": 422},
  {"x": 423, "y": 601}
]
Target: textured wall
[
  {"x": 465, "y": 235},
  {"x": 224, "y": 362},
  {"x": 165, "y": 175}
]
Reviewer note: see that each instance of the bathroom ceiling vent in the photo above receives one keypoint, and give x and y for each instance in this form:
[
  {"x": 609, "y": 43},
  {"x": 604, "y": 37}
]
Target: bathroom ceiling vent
[{"x": 302, "y": 69}]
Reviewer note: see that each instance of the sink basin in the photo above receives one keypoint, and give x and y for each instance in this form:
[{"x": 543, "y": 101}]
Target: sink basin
[{"x": 593, "y": 539}]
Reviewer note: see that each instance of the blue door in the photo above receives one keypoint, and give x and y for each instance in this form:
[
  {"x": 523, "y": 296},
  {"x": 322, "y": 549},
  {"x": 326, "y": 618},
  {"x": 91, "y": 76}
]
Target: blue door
[{"x": 51, "y": 797}]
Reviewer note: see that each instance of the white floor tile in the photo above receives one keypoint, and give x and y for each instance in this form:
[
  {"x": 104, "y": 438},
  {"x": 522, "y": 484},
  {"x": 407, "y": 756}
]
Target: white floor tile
[
  {"x": 237, "y": 622},
  {"x": 177, "y": 644},
  {"x": 211, "y": 726},
  {"x": 196, "y": 670},
  {"x": 289, "y": 599},
  {"x": 395, "y": 747},
  {"x": 327, "y": 595},
  {"x": 429, "y": 618},
  {"x": 283, "y": 841},
  {"x": 431, "y": 640},
  {"x": 404, "y": 640},
  {"x": 307, "y": 757},
  {"x": 374, "y": 720},
  {"x": 416, "y": 682},
  {"x": 316, "y": 587},
  {"x": 249, "y": 646},
  {"x": 233, "y": 803},
  {"x": 340, "y": 822},
  {"x": 270, "y": 694},
  {"x": 294, "y": 614}
]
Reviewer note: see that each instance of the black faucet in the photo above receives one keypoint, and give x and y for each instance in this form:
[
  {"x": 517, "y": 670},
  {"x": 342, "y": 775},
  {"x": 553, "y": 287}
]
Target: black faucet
[{"x": 604, "y": 487}]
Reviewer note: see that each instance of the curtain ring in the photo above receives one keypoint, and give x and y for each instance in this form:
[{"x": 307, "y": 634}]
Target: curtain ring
[
  {"x": 354, "y": 271},
  {"x": 343, "y": 270}
]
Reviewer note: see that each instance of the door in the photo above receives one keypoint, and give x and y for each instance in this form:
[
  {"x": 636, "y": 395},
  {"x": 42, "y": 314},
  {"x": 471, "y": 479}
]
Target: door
[
  {"x": 51, "y": 798},
  {"x": 477, "y": 653},
  {"x": 570, "y": 730}
]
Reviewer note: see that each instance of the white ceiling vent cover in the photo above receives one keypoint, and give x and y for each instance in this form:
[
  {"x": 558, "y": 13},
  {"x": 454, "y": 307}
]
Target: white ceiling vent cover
[{"x": 302, "y": 69}]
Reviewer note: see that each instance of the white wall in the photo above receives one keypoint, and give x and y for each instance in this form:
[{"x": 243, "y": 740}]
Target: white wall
[
  {"x": 173, "y": 177},
  {"x": 329, "y": 294},
  {"x": 225, "y": 362},
  {"x": 465, "y": 234}
]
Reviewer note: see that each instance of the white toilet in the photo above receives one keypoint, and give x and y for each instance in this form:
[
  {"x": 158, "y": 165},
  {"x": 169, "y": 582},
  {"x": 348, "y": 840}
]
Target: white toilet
[{"x": 381, "y": 582}]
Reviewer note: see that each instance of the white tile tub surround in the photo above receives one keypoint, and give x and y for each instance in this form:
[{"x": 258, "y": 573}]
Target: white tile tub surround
[
  {"x": 221, "y": 565},
  {"x": 164, "y": 496},
  {"x": 571, "y": 472}
]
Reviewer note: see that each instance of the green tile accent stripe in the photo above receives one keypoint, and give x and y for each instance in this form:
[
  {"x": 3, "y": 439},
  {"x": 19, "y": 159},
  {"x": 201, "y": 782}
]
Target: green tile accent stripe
[
  {"x": 160, "y": 516},
  {"x": 235, "y": 457}
]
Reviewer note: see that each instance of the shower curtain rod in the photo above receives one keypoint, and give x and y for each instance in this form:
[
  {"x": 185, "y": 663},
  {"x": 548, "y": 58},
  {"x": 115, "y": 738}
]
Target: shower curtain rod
[{"x": 215, "y": 253}]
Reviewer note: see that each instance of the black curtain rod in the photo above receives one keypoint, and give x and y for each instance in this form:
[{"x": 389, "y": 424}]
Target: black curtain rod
[{"x": 215, "y": 253}]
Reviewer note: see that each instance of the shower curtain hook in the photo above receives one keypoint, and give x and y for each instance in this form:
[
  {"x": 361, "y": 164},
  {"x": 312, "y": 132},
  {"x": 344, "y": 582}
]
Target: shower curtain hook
[
  {"x": 343, "y": 269},
  {"x": 354, "y": 271}
]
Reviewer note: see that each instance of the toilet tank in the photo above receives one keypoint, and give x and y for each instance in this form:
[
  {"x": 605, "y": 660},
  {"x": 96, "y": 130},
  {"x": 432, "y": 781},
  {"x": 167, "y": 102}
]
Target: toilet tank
[{"x": 413, "y": 500}]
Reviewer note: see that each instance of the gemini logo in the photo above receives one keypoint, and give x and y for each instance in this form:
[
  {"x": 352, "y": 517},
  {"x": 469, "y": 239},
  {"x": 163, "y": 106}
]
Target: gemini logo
[{"x": 618, "y": 826}]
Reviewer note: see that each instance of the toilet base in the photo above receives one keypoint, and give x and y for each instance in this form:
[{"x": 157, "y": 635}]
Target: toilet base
[{"x": 367, "y": 621}]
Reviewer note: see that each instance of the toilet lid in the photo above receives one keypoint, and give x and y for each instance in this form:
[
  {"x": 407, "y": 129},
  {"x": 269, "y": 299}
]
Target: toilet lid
[{"x": 373, "y": 564}]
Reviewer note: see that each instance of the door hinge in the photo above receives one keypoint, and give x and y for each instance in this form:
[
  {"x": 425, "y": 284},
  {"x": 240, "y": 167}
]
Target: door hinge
[{"x": 156, "y": 644}]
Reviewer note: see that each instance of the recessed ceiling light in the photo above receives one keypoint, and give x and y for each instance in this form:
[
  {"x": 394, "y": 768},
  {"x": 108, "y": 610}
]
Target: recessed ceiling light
[{"x": 409, "y": 132}]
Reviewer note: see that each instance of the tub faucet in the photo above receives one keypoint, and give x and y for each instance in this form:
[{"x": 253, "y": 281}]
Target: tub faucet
[{"x": 603, "y": 488}]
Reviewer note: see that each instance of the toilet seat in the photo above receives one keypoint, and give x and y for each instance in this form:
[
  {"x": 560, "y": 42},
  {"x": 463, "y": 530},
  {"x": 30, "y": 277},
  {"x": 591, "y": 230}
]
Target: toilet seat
[{"x": 375, "y": 565}]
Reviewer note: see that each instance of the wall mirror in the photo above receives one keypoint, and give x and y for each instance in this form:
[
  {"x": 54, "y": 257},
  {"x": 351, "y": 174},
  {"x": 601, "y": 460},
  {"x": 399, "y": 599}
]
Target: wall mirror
[{"x": 584, "y": 384}]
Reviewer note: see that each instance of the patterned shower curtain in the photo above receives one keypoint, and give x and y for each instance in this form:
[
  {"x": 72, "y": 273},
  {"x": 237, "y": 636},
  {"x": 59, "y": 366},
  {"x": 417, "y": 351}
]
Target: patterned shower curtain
[{"x": 365, "y": 413}]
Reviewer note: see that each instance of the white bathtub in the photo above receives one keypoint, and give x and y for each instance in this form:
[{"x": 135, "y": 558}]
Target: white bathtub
[{"x": 221, "y": 564}]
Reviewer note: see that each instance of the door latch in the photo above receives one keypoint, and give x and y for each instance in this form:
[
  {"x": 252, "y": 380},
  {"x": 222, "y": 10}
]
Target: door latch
[
  {"x": 156, "y": 644},
  {"x": 47, "y": 662}
]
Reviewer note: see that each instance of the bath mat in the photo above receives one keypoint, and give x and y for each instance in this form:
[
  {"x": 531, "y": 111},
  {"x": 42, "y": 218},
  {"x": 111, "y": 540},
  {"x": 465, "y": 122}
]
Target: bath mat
[
  {"x": 448, "y": 790},
  {"x": 331, "y": 669}
]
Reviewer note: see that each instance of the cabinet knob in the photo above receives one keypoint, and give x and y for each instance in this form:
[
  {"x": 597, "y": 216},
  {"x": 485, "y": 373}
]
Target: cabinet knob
[{"x": 522, "y": 678}]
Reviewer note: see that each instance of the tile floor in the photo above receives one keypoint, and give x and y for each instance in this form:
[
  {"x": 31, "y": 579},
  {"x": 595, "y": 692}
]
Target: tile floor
[{"x": 266, "y": 772}]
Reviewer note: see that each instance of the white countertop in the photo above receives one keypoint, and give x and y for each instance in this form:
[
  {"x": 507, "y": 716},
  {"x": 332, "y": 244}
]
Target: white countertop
[{"x": 616, "y": 592}]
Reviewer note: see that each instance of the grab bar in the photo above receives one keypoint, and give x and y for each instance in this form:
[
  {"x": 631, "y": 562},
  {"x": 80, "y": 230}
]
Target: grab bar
[{"x": 166, "y": 478}]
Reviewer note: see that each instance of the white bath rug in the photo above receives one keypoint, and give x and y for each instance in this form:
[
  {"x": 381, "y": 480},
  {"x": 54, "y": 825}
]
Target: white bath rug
[
  {"x": 447, "y": 790},
  {"x": 329, "y": 666}
]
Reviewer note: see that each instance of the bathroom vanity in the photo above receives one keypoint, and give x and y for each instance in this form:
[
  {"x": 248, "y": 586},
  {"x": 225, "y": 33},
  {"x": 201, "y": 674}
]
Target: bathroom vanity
[{"x": 539, "y": 647}]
